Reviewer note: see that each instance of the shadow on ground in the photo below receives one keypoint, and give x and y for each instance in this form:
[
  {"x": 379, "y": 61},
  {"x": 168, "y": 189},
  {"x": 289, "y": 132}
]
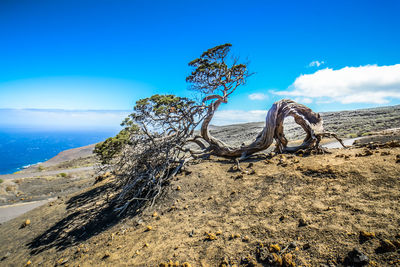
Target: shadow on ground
[{"x": 90, "y": 213}]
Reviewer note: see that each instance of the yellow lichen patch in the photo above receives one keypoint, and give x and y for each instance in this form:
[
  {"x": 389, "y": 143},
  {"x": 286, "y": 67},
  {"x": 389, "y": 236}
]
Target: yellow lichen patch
[
  {"x": 287, "y": 260},
  {"x": 219, "y": 232},
  {"x": 155, "y": 214},
  {"x": 210, "y": 236},
  {"x": 149, "y": 228},
  {"x": 28, "y": 263},
  {"x": 146, "y": 245},
  {"x": 365, "y": 234},
  {"x": 186, "y": 264},
  {"x": 274, "y": 248},
  {"x": 178, "y": 188},
  {"x": 246, "y": 238}
]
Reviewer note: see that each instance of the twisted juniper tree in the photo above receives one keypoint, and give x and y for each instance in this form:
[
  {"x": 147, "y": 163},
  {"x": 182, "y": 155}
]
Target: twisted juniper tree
[
  {"x": 215, "y": 78},
  {"x": 153, "y": 146}
]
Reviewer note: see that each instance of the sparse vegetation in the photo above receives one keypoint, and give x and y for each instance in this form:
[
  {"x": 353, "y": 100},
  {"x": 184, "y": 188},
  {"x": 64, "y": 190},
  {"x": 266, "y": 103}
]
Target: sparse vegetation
[
  {"x": 153, "y": 147},
  {"x": 111, "y": 147}
]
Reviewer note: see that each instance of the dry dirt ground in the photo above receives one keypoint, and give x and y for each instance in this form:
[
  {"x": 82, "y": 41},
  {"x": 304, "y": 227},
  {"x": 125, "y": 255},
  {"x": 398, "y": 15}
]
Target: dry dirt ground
[{"x": 285, "y": 211}]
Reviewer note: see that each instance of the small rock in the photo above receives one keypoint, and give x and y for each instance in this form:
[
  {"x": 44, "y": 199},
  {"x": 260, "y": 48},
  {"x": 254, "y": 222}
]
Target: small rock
[
  {"x": 5, "y": 256},
  {"x": 356, "y": 258},
  {"x": 306, "y": 246},
  {"x": 293, "y": 244},
  {"x": 246, "y": 238},
  {"x": 302, "y": 223},
  {"x": 62, "y": 261},
  {"x": 106, "y": 255},
  {"x": 210, "y": 236},
  {"x": 191, "y": 234},
  {"x": 252, "y": 172},
  {"x": 26, "y": 223},
  {"x": 239, "y": 176},
  {"x": 281, "y": 218}
]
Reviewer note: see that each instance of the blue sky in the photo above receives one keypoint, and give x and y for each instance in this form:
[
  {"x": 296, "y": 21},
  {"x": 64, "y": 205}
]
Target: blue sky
[{"x": 105, "y": 55}]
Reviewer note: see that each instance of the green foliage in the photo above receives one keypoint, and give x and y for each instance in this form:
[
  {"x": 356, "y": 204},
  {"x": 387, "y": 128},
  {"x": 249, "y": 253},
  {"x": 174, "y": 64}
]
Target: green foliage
[
  {"x": 163, "y": 113},
  {"x": 1, "y": 180},
  {"x": 212, "y": 72},
  {"x": 160, "y": 106},
  {"x": 112, "y": 146},
  {"x": 63, "y": 175},
  {"x": 367, "y": 134},
  {"x": 40, "y": 168},
  {"x": 158, "y": 114},
  {"x": 352, "y": 135}
]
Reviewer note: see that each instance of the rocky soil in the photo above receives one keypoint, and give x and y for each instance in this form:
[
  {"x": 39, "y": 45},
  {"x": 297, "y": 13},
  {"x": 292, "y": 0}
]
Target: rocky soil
[
  {"x": 318, "y": 210},
  {"x": 332, "y": 209}
]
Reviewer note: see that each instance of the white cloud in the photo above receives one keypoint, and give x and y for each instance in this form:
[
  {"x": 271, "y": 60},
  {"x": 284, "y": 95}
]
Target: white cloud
[
  {"x": 364, "y": 84},
  {"x": 258, "y": 96},
  {"x": 225, "y": 117},
  {"x": 62, "y": 119},
  {"x": 316, "y": 63}
]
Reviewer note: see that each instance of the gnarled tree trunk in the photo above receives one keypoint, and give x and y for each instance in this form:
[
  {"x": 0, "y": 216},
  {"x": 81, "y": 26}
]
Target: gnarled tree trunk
[{"x": 273, "y": 129}]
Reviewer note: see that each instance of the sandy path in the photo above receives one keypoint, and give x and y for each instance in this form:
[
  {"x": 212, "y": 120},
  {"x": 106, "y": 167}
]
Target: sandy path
[
  {"x": 43, "y": 173},
  {"x": 12, "y": 211},
  {"x": 336, "y": 144}
]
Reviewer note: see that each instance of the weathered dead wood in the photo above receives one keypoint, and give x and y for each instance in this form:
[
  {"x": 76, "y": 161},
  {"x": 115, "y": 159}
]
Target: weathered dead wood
[{"x": 273, "y": 130}]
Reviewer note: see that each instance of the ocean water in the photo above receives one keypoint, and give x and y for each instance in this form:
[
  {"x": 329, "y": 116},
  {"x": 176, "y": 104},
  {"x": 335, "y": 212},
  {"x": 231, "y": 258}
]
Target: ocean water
[{"x": 19, "y": 148}]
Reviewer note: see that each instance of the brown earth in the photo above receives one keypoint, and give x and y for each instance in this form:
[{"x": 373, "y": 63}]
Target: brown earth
[{"x": 318, "y": 207}]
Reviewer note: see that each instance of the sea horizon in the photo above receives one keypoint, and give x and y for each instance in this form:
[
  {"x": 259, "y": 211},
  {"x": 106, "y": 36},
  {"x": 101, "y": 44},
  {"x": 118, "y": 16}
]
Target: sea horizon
[{"x": 22, "y": 147}]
